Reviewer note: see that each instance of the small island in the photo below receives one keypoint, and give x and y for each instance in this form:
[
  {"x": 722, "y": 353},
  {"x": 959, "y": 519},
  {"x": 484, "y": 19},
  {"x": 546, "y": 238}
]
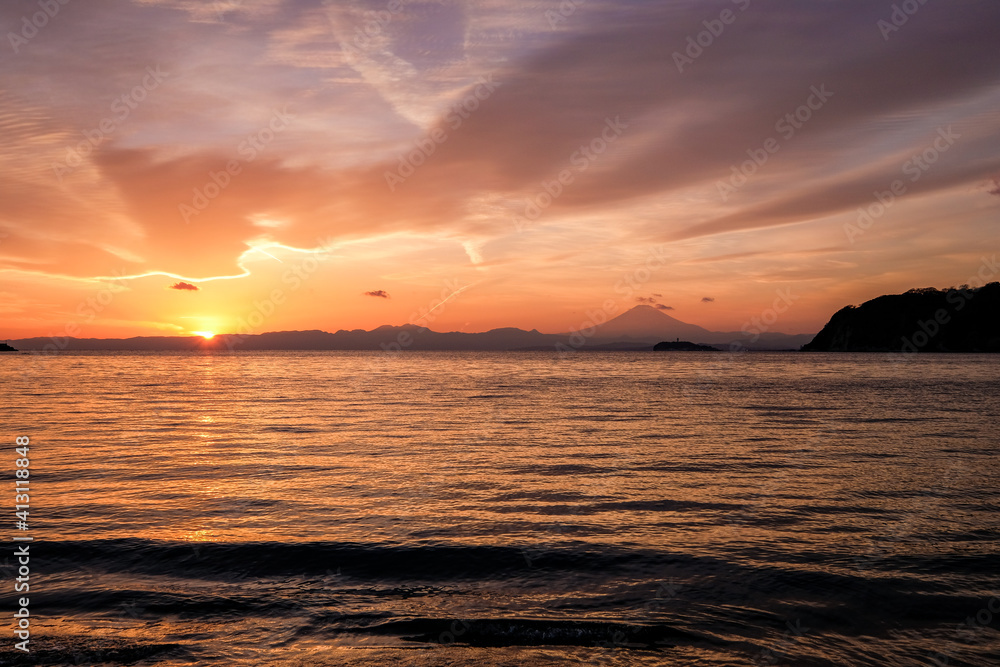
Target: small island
[
  {"x": 4, "y": 347},
  {"x": 683, "y": 346}
]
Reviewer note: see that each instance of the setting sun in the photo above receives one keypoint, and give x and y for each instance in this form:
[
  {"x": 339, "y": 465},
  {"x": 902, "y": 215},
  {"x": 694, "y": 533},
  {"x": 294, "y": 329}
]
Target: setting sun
[{"x": 205, "y": 334}]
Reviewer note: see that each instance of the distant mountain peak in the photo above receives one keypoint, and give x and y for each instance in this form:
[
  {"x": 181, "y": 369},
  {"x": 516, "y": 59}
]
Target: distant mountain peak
[
  {"x": 649, "y": 312},
  {"x": 645, "y": 322}
]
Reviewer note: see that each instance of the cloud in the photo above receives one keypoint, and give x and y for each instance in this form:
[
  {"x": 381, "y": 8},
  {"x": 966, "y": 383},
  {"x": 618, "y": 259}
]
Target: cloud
[
  {"x": 379, "y": 293},
  {"x": 474, "y": 250},
  {"x": 362, "y": 110},
  {"x": 545, "y": 109},
  {"x": 707, "y": 299},
  {"x": 188, "y": 287},
  {"x": 652, "y": 301}
]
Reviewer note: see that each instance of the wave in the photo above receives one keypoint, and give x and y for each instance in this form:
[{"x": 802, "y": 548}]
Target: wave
[
  {"x": 502, "y": 632},
  {"x": 90, "y": 651},
  {"x": 551, "y": 553},
  {"x": 405, "y": 562}
]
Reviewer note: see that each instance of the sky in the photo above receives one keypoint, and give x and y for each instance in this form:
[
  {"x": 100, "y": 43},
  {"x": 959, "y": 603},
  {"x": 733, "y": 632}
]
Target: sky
[{"x": 175, "y": 167}]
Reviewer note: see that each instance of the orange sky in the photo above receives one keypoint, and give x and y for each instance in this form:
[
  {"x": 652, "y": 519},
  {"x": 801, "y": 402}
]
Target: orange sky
[{"x": 352, "y": 164}]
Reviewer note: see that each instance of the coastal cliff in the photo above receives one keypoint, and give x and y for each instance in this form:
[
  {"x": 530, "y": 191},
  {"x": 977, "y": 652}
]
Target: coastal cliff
[{"x": 959, "y": 319}]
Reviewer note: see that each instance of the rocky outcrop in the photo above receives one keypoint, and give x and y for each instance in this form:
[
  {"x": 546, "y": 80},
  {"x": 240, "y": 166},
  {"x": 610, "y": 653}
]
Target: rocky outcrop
[{"x": 921, "y": 320}]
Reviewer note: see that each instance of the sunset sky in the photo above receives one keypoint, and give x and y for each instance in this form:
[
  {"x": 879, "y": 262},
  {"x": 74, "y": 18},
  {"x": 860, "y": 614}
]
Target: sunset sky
[{"x": 173, "y": 166}]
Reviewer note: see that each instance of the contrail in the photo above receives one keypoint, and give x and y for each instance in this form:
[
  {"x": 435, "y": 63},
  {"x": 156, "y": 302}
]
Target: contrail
[
  {"x": 259, "y": 249},
  {"x": 445, "y": 300}
]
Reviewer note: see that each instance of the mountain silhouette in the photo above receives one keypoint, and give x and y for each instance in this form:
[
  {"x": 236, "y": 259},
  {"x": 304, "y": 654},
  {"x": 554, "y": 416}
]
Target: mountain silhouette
[
  {"x": 920, "y": 320},
  {"x": 637, "y": 329},
  {"x": 648, "y": 323}
]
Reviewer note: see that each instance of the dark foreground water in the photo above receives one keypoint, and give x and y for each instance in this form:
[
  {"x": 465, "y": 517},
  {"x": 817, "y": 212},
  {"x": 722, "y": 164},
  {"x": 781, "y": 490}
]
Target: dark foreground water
[{"x": 507, "y": 509}]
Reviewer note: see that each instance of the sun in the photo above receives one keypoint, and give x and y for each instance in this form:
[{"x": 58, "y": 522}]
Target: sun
[{"x": 205, "y": 334}]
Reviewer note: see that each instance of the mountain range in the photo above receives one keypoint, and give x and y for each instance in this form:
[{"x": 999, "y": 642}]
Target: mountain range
[{"x": 637, "y": 329}]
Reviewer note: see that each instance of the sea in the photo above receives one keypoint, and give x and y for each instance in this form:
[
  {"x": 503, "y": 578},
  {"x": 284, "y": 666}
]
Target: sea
[{"x": 488, "y": 509}]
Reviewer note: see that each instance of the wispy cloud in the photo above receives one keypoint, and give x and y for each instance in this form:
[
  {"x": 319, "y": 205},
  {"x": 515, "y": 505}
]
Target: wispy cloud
[{"x": 365, "y": 92}]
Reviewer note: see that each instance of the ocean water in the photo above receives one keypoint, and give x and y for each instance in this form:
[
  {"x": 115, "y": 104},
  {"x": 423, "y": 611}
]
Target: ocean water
[{"x": 507, "y": 509}]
